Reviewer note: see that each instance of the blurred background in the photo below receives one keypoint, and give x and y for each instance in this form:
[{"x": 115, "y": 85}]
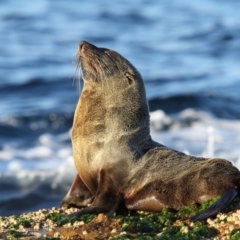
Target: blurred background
[{"x": 188, "y": 53}]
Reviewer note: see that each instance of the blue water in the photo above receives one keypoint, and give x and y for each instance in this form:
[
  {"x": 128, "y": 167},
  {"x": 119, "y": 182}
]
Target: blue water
[{"x": 188, "y": 53}]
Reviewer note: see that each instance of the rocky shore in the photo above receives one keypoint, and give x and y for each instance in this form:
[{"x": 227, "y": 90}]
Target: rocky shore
[{"x": 52, "y": 224}]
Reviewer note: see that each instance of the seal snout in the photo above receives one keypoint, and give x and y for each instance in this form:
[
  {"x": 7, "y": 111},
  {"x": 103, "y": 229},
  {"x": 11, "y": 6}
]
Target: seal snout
[
  {"x": 85, "y": 46},
  {"x": 82, "y": 48}
]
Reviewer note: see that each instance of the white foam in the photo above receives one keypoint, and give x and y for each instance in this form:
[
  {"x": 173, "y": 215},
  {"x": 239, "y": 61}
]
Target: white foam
[
  {"x": 198, "y": 133},
  {"x": 6, "y": 153},
  {"x": 38, "y": 152},
  {"x": 159, "y": 120},
  {"x": 48, "y": 160},
  {"x": 46, "y": 139},
  {"x": 193, "y": 132},
  {"x": 14, "y": 166}
]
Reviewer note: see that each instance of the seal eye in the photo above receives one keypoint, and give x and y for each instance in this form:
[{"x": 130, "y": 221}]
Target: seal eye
[{"x": 130, "y": 78}]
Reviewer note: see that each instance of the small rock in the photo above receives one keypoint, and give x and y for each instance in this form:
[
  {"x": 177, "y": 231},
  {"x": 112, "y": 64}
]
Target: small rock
[
  {"x": 36, "y": 234},
  {"x": 36, "y": 226},
  {"x": 57, "y": 234}
]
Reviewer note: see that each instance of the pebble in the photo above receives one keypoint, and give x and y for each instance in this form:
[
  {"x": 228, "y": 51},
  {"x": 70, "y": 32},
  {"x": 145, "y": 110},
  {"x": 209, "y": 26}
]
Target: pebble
[
  {"x": 36, "y": 234},
  {"x": 57, "y": 234},
  {"x": 36, "y": 226}
]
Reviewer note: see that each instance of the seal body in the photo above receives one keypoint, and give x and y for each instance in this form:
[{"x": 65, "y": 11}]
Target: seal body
[{"x": 118, "y": 163}]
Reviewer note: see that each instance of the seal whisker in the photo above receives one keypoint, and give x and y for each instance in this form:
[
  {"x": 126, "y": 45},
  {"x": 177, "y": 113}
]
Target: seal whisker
[{"x": 77, "y": 75}]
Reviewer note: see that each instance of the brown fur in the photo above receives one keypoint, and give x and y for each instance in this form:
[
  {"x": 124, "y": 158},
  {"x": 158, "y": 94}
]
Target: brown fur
[{"x": 116, "y": 159}]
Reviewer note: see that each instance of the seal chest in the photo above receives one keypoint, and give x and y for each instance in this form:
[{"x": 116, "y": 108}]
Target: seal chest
[{"x": 117, "y": 161}]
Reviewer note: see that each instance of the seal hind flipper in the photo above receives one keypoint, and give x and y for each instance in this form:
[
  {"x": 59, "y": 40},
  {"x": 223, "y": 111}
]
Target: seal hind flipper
[
  {"x": 218, "y": 206},
  {"x": 78, "y": 195},
  {"x": 106, "y": 199}
]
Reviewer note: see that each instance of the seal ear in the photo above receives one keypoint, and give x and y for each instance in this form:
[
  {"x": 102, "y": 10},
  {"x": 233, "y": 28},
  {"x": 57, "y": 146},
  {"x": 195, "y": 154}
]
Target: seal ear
[{"x": 129, "y": 77}]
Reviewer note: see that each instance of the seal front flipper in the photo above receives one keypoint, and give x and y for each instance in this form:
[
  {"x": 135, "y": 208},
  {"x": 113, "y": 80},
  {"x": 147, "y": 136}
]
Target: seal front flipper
[
  {"x": 106, "y": 199},
  {"x": 218, "y": 206},
  {"x": 78, "y": 195}
]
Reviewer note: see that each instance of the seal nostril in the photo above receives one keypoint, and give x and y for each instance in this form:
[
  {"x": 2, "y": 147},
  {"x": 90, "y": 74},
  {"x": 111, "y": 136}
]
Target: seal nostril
[{"x": 81, "y": 45}]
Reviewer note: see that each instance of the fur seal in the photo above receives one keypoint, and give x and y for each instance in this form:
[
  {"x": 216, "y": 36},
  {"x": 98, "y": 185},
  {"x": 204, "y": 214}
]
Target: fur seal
[{"x": 118, "y": 163}]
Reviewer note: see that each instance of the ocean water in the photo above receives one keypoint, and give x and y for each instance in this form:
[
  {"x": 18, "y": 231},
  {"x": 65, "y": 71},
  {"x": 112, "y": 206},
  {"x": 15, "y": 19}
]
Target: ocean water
[{"x": 188, "y": 53}]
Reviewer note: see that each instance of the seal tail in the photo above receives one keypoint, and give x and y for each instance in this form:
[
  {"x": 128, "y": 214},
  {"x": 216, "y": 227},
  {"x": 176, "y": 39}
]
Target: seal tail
[{"x": 227, "y": 197}]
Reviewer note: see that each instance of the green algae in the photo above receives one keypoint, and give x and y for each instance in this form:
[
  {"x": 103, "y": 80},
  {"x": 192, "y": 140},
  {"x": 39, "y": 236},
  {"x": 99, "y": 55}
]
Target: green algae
[
  {"x": 195, "y": 209},
  {"x": 55, "y": 217},
  {"x": 168, "y": 224},
  {"x": 198, "y": 231},
  {"x": 61, "y": 219},
  {"x": 235, "y": 234},
  {"x": 86, "y": 218},
  {"x": 19, "y": 221},
  {"x": 13, "y": 234}
]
